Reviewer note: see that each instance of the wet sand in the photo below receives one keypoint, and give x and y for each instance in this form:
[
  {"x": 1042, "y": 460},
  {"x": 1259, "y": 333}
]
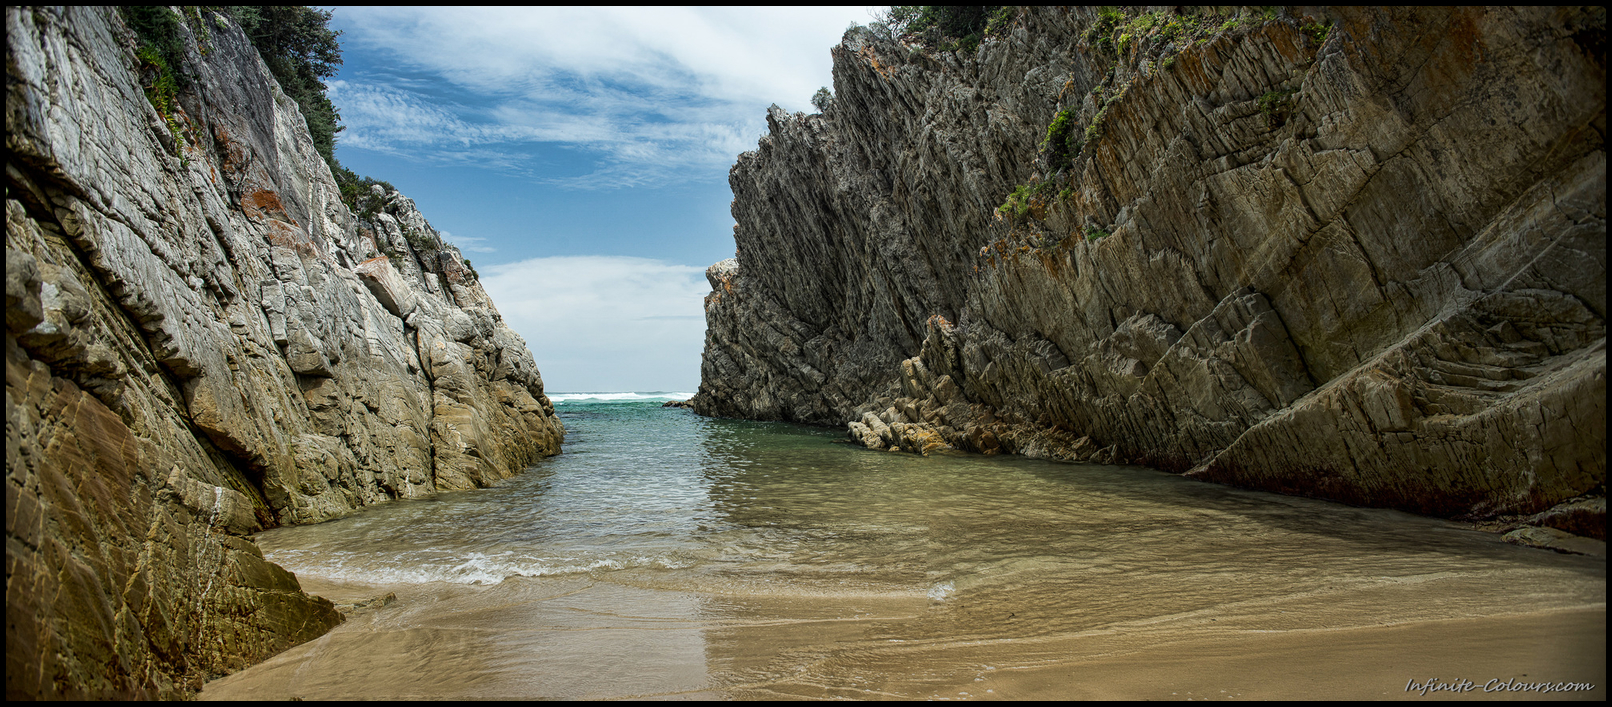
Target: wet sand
[
  {"x": 1374, "y": 663},
  {"x": 577, "y": 639}
]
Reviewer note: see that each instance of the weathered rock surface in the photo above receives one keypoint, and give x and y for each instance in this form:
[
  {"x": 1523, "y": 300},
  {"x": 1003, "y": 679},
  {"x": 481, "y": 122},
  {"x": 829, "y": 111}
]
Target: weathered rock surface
[
  {"x": 1553, "y": 539},
  {"x": 202, "y": 341},
  {"x": 1368, "y": 268}
]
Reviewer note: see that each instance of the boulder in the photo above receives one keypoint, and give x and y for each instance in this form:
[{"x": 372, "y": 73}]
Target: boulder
[{"x": 387, "y": 285}]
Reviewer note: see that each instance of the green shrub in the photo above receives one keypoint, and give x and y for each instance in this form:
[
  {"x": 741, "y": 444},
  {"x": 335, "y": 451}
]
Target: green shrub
[
  {"x": 1000, "y": 20},
  {"x": 198, "y": 27},
  {"x": 1144, "y": 22},
  {"x": 1063, "y": 142},
  {"x": 1171, "y": 29},
  {"x": 1017, "y": 204},
  {"x": 1098, "y": 33},
  {"x": 1272, "y": 100},
  {"x": 1249, "y": 19},
  {"x": 158, "y": 28},
  {"x": 1316, "y": 32},
  {"x": 301, "y": 50},
  {"x": 161, "y": 90},
  {"x": 1168, "y": 63},
  {"x": 420, "y": 241},
  {"x": 1160, "y": 25},
  {"x": 161, "y": 59},
  {"x": 1277, "y": 105},
  {"x": 942, "y": 27},
  {"x": 1094, "y": 132},
  {"x": 822, "y": 98},
  {"x": 357, "y": 195},
  {"x": 1095, "y": 234}
]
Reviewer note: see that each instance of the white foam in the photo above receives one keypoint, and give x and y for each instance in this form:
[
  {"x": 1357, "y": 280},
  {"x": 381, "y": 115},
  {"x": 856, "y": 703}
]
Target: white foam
[
  {"x": 940, "y": 591},
  {"x": 559, "y": 398},
  {"x": 472, "y": 568}
]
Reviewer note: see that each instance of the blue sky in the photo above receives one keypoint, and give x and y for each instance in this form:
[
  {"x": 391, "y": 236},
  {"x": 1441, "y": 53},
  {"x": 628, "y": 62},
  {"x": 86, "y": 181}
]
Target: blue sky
[{"x": 579, "y": 157}]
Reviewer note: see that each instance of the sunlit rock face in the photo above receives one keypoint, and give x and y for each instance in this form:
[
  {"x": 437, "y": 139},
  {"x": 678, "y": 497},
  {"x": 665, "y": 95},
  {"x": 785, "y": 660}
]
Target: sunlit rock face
[
  {"x": 1366, "y": 264},
  {"x": 202, "y": 341}
]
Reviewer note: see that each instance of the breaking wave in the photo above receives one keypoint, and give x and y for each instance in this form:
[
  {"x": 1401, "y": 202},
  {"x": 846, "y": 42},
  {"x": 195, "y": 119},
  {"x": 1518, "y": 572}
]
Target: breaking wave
[{"x": 575, "y": 398}]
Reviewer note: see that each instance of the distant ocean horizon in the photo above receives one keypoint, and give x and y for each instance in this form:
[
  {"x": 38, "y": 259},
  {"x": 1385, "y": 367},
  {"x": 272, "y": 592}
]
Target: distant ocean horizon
[{"x": 617, "y": 397}]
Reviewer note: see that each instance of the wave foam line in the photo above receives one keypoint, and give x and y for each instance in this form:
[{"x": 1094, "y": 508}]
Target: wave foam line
[{"x": 615, "y": 397}]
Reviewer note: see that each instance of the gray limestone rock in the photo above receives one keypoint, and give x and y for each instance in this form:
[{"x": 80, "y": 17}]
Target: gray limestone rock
[
  {"x": 201, "y": 343},
  {"x": 1370, "y": 268}
]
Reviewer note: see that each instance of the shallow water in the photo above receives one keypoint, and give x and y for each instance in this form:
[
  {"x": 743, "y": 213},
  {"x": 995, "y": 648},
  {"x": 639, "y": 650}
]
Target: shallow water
[{"x": 665, "y": 554}]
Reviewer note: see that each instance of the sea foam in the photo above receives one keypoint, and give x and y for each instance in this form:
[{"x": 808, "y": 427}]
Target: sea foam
[{"x": 573, "y": 398}]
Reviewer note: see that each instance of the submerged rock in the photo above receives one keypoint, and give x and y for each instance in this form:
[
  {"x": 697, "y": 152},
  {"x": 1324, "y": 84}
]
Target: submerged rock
[
  {"x": 202, "y": 341},
  {"x": 366, "y": 605},
  {"x": 1586, "y": 517},
  {"x": 1320, "y": 256},
  {"x": 1553, "y": 539}
]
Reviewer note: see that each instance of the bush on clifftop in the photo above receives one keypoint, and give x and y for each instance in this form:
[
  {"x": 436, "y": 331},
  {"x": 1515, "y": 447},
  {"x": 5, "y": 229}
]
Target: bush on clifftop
[
  {"x": 301, "y": 50},
  {"x": 295, "y": 42},
  {"x": 945, "y": 27}
]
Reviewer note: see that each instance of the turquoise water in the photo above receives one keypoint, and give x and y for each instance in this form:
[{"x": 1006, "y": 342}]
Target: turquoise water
[{"x": 736, "y": 547}]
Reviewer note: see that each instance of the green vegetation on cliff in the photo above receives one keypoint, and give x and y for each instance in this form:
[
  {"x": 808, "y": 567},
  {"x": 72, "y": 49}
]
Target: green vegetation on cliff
[
  {"x": 1143, "y": 42},
  {"x": 300, "y": 49},
  {"x": 947, "y": 27},
  {"x": 1064, "y": 140},
  {"x": 295, "y": 42},
  {"x": 161, "y": 60}
]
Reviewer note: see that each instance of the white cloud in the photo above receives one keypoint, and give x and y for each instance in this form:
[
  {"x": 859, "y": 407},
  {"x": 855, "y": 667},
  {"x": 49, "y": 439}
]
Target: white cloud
[
  {"x": 598, "y": 323},
  {"x": 653, "y": 90},
  {"x": 467, "y": 243}
]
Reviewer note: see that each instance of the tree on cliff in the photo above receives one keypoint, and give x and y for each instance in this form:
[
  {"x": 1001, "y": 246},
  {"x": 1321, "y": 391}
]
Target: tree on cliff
[
  {"x": 300, "y": 49},
  {"x": 945, "y": 27},
  {"x": 295, "y": 42}
]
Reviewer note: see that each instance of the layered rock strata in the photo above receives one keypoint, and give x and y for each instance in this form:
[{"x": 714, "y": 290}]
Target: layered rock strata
[
  {"x": 202, "y": 341},
  {"x": 1359, "y": 256}
]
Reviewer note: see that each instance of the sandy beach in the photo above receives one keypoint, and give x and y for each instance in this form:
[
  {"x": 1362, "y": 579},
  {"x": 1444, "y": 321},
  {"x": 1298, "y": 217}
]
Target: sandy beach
[{"x": 571, "y": 640}]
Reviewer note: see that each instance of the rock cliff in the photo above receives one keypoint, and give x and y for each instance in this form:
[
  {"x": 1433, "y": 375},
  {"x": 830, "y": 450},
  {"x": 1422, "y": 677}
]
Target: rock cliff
[
  {"x": 203, "y": 341},
  {"x": 1358, "y": 255}
]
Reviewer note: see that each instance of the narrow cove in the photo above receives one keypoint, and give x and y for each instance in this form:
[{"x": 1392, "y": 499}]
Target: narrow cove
[{"x": 670, "y": 555}]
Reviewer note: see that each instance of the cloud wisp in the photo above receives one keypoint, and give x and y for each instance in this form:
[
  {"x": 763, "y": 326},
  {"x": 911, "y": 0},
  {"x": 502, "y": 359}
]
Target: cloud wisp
[
  {"x": 467, "y": 243},
  {"x": 654, "y": 94},
  {"x": 604, "y": 323}
]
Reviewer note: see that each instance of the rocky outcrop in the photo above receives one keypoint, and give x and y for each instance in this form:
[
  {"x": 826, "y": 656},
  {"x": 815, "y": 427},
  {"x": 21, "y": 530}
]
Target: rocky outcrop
[
  {"x": 202, "y": 341},
  {"x": 1359, "y": 256}
]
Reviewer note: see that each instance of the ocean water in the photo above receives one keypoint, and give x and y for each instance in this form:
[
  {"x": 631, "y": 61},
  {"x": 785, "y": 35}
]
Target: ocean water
[{"x": 666, "y": 554}]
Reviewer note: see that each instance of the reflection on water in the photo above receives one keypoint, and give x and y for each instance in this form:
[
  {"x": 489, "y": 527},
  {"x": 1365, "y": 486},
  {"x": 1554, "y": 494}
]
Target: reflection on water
[{"x": 665, "y": 553}]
